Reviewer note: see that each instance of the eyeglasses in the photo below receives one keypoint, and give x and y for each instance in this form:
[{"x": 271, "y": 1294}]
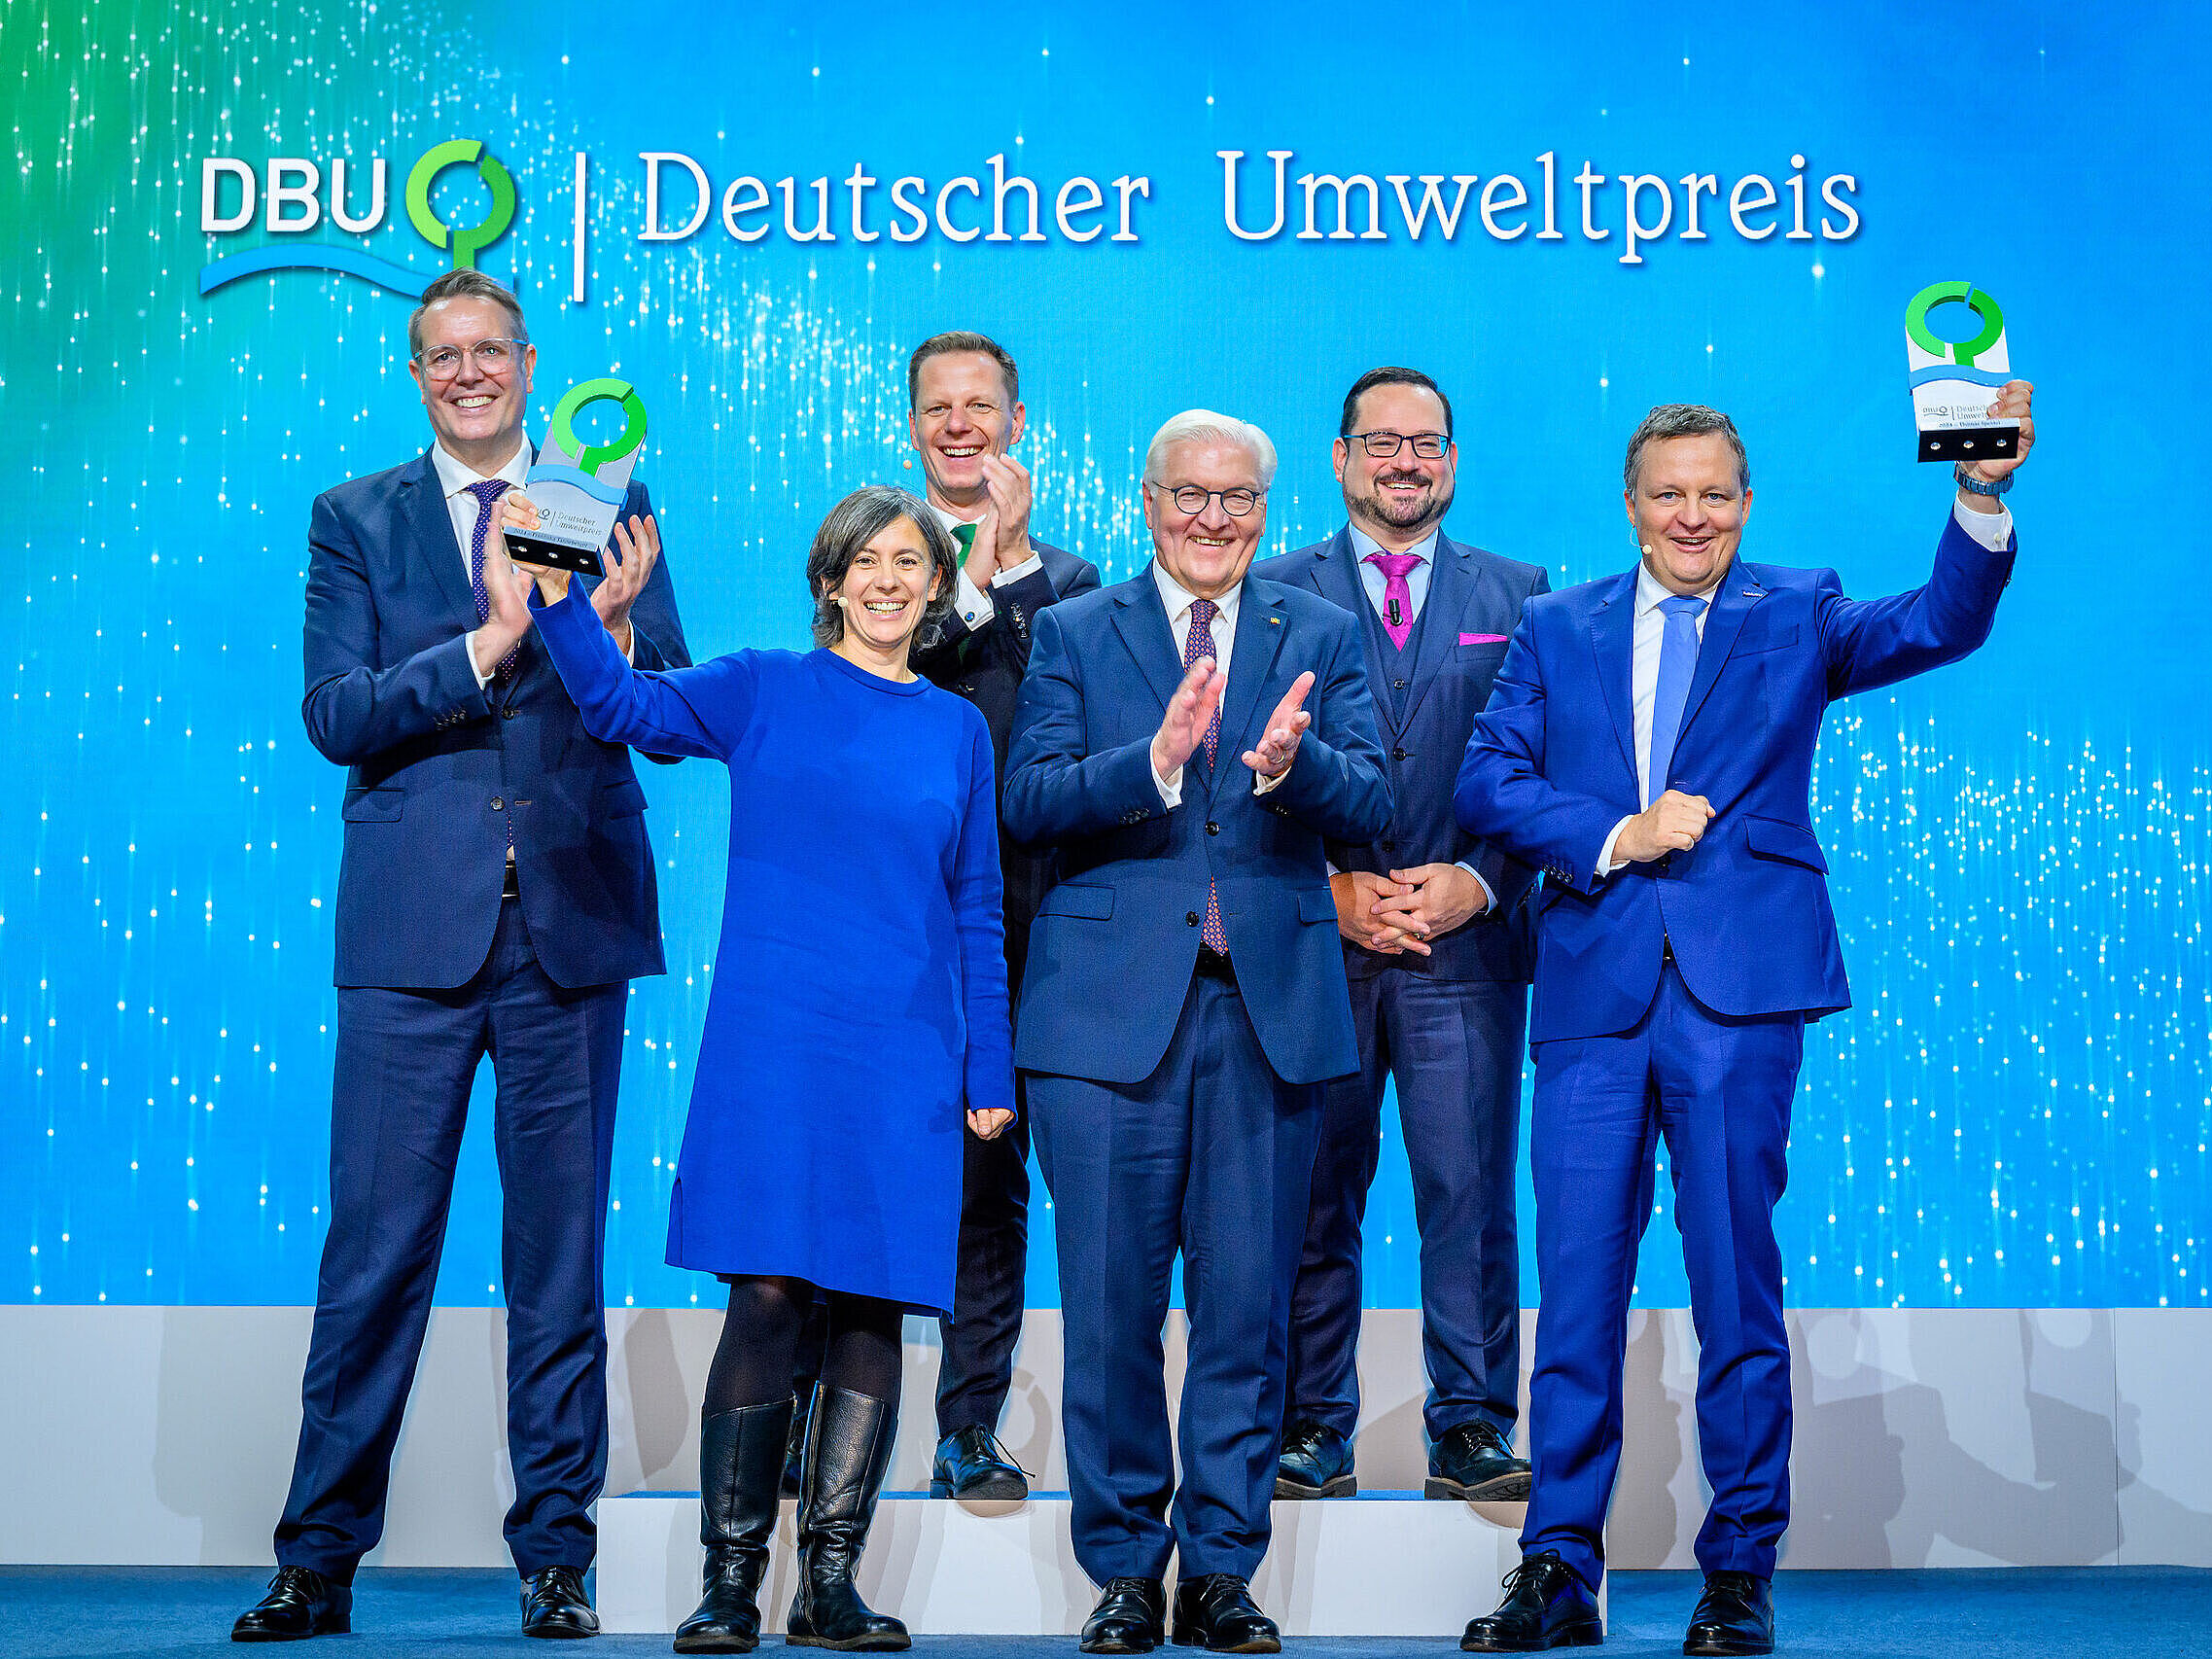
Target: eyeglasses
[
  {"x": 1235, "y": 502},
  {"x": 1382, "y": 445},
  {"x": 494, "y": 357}
]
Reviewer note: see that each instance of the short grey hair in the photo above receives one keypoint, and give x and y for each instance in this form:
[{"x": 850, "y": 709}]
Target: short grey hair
[
  {"x": 853, "y": 523},
  {"x": 467, "y": 283},
  {"x": 1684, "y": 420},
  {"x": 1203, "y": 426}
]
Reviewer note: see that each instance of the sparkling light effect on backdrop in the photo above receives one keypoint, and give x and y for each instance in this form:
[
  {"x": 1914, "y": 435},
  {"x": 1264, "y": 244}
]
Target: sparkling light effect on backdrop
[{"x": 2015, "y": 1113}]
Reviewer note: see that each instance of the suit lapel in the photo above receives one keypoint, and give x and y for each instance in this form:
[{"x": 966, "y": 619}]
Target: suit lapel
[
  {"x": 1336, "y": 571},
  {"x": 1142, "y": 622},
  {"x": 1251, "y": 660},
  {"x": 1613, "y": 637},
  {"x": 1451, "y": 585},
  {"x": 431, "y": 538},
  {"x": 1732, "y": 600}
]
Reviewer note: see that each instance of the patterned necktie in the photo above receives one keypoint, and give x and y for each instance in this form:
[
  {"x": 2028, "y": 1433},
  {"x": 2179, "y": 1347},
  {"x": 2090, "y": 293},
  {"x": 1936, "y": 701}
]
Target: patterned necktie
[
  {"x": 1397, "y": 597},
  {"x": 1199, "y": 645},
  {"x": 1677, "y": 664},
  {"x": 488, "y": 491}
]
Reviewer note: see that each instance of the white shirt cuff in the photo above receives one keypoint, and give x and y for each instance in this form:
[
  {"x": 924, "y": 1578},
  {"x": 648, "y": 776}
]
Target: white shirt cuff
[
  {"x": 1489, "y": 899},
  {"x": 1991, "y": 529},
  {"x": 1170, "y": 787},
  {"x": 1605, "y": 865},
  {"x": 1029, "y": 567},
  {"x": 973, "y": 603},
  {"x": 469, "y": 644},
  {"x": 1261, "y": 785}
]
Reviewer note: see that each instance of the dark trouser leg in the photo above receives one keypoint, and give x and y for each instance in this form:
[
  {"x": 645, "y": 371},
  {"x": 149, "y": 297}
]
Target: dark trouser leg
[
  {"x": 1590, "y": 1152},
  {"x": 558, "y": 1056},
  {"x": 1456, "y": 1054},
  {"x": 988, "y": 1294},
  {"x": 399, "y": 1101},
  {"x": 1725, "y": 1087},
  {"x": 1323, "y": 1378},
  {"x": 1244, "y": 1218},
  {"x": 1114, "y": 1157}
]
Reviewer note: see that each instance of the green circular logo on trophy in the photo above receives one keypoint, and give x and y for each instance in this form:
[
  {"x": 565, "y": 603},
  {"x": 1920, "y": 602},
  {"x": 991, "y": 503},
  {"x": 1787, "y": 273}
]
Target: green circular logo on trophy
[
  {"x": 1954, "y": 382},
  {"x": 578, "y": 486}
]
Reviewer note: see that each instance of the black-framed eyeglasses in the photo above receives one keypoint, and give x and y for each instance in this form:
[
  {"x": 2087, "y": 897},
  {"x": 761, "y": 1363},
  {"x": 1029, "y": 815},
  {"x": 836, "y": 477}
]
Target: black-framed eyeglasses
[
  {"x": 494, "y": 357},
  {"x": 1382, "y": 445},
  {"x": 1235, "y": 502}
]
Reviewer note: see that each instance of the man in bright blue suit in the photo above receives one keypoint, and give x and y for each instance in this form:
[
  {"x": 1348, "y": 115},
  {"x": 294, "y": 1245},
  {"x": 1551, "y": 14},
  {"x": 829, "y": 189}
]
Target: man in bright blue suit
[
  {"x": 1183, "y": 1002},
  {"x": 1649, "y": 744},
  {"x": 496, "y": 897},
  {"x": 1437, "y": 944}
]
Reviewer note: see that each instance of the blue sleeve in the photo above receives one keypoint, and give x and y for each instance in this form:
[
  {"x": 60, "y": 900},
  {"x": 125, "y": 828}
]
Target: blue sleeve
[
  {"x": 352, "y": 711},
  {"x": 1509, "y": 879},
  {"x": 1502, "y": 793},
  {"x": 1056, "y": 790},
  {"x": 979, "y": 913},
  {"x": 1870, "y": 643},
  {"x": 1335, "y": 786},
  {"x": 699, "y": 711}
]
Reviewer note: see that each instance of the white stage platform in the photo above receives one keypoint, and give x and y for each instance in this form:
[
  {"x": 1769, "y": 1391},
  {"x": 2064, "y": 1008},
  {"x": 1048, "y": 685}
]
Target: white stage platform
[{"x": 1379, "y": 1564}]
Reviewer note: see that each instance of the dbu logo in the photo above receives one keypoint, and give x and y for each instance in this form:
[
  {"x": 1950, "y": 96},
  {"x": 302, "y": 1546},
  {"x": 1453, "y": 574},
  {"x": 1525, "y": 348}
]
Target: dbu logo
[{"x": 291, "y": 203}]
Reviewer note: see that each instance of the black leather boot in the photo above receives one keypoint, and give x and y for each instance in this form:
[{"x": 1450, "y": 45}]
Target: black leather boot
[
  {"x": 741, "y": 1468},
  {"x": 848, "y": 1450}
]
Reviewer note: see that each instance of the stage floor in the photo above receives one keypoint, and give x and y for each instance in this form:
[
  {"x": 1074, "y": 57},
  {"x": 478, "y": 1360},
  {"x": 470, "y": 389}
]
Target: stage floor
[{"x": 2007, "y": 1613}]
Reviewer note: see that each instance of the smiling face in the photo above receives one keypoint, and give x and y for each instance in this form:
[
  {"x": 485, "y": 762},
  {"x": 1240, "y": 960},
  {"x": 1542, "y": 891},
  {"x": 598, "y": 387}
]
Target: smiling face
[
  {"x": 1208, "y": 551},
  {"x": 1401, "y": 500},
  {"x": 1688, "y": 509},
  {"x": 476, "y": 417},
  {"x": 960, "y": 415},
  {"x": 886, "y": 588}
]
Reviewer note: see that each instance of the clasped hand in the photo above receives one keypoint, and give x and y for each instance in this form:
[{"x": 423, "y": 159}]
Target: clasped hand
[
  {"x": 1674, "y": 823},
  {"x": 988, "y": 1123},
  {"x": 1391, "y": 915}
]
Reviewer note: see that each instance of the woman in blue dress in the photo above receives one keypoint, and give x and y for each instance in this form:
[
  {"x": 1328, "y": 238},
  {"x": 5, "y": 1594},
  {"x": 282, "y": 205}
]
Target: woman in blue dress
[{"x": 858, "y": 1017}]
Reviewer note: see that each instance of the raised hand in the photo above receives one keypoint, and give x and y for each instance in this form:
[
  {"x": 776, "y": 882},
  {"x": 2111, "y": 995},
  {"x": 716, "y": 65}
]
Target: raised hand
[
  {"x": 517, "y": 512},
  {"x": 1190, "y": 711},
  {"x": 637, "y": 548},
  {"x": 508, "y": 590},
  {"x": 2015, "y": 401},
  {"x": 1284, "y": 727},
  {"x": 1674, "y": 823},
  {"x": 1008, "y": 482}
]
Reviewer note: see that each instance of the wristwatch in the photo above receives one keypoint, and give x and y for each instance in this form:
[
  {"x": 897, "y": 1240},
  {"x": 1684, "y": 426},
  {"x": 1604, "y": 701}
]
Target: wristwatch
[{"x": 1973, "y": 485}]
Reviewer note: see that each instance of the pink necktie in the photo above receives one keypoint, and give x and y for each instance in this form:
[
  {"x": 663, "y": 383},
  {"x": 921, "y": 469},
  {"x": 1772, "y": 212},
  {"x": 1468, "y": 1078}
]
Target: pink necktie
[{"x": 1397, "y": 597}]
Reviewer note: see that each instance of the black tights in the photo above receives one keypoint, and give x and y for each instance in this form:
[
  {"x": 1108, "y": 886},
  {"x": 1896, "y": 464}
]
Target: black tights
[{"x": 760, "y": 1339}]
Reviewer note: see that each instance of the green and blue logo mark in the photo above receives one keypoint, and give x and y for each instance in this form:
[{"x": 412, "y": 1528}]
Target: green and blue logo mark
[
  {"x": 291, "y": 192},
  {"x": 584, "y": 459}
]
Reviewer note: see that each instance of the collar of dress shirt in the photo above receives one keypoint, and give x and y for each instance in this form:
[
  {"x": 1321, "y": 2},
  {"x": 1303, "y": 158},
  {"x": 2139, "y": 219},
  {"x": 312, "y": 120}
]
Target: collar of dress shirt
[
  {"x": 1363, "y": 543},
  {"x": 1179, "y": 600},
  {"x": 1650, "y": 590},
  {"x": 950, "y": 520},
  {"x": 455, "y": 474}
]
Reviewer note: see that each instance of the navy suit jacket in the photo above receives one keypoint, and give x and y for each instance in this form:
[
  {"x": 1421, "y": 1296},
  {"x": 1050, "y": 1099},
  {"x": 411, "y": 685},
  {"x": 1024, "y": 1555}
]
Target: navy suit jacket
[
  {"x": 437, "y": 765},
  {"x": 1448, "y": 681},
  {"x": 1117, "y": 937},
  {"x": 985, "y": 666},
  {"x": 1551, "y": 768}
]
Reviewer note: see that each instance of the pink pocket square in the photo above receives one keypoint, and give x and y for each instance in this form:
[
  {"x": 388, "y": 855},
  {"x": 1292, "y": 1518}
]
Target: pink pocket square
[{"x": 1481, "y": 639}]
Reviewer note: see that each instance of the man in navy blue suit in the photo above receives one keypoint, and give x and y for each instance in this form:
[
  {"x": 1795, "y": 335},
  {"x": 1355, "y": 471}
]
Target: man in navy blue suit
[
  {"x": 1649, "y": 745},
  {"x": 1437, "y": 944},
  {"x": 1183, "y": 1002},
  {"x": 497, "y": 895}
]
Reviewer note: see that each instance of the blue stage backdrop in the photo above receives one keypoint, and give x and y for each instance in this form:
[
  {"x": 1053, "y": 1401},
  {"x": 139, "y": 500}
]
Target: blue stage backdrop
[{"x": 213, "y": 211}]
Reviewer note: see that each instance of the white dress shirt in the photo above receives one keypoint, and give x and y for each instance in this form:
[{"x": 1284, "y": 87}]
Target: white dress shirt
[
  {"x": 970, "y": 601},
  {"x": 1179, "y": 603},
  {"x": 1992, "y": 530}
]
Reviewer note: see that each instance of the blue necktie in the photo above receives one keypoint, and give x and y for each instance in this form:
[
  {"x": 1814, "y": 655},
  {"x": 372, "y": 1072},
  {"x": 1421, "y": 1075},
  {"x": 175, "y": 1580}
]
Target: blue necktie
[
  {"x": 487, "y": 492},
  {"x": 1677, "y": 664}
]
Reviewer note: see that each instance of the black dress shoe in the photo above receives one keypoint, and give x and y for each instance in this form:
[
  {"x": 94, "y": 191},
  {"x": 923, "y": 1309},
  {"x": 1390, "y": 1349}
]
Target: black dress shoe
[
  {"x": 971, "y": 1463},
  {"x": 1735, "y": 1615},
  {"x": 1316, "y": 1462},
  {"x": 1546, "y": 1604},
  {"x": 300, "y": 1603},
  {"x": 1216, "y": 1612},
  {"x": 1475, "y": 1462},
  {"x": 555, "y": 1605},
  {"x": 1131, "y": 1617}
]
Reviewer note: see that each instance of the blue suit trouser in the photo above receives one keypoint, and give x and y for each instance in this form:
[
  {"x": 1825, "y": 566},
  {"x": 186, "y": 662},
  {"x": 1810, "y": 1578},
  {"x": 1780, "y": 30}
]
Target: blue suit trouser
[
  {"x": 1718, "y": 1089},
  {"x": 1453, "y": 1048},
  {"x": 1210, "y": 1155},
  {"x": 404, "y": 1063}
]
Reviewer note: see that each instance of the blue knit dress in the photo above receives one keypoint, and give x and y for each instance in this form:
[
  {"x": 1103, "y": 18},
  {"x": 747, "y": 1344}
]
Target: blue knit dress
[{"x": 858, "y": 1005}]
